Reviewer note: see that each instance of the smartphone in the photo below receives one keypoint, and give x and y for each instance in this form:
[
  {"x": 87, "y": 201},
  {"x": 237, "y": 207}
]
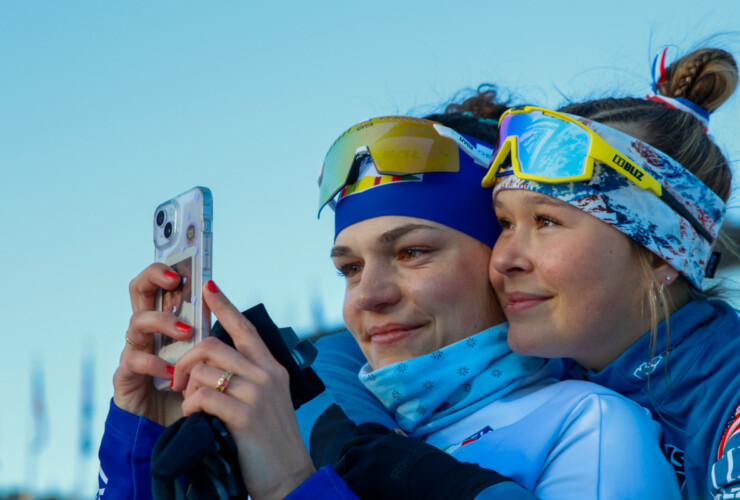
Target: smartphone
[{"x": 183, "y": 239}]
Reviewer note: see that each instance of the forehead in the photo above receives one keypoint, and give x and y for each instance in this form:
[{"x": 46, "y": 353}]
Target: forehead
[
  {"x": 513, "y": 198},
  {"x": 385, "y": 231}
]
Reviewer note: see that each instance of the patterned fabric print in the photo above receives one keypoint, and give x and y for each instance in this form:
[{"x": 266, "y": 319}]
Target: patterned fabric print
[
  {"x": 369, "y": 178},
  {"x": 639, "y": 213},
  {"x": 726, "y": 471},
  {"x": 430, "y": 391}
]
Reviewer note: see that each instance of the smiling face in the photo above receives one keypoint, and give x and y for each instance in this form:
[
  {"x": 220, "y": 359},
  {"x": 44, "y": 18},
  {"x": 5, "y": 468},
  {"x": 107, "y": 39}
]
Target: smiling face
[
  {"x": 569, "y": 283},
  {"x": 413, "y": 286}
]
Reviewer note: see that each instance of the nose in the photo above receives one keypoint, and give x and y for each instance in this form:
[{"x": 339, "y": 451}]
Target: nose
[
  {"x": 378, "y": 288},
  {"x": 510, "y": 255}
]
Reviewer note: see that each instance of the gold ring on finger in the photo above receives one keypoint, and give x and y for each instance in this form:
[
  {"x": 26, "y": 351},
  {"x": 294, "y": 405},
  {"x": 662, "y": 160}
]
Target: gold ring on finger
[
  {"x": 135, "y": 345},
  {"x": 223, "y": 382}
]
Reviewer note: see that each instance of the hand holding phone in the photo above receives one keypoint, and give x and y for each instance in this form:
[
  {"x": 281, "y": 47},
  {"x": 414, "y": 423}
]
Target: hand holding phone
[{"x": 183, "y": 240}]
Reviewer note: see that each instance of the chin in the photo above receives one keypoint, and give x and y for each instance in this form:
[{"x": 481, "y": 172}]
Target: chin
[
  {"x": 526, "y": 345},
  {"x": 382, "y": 361}
]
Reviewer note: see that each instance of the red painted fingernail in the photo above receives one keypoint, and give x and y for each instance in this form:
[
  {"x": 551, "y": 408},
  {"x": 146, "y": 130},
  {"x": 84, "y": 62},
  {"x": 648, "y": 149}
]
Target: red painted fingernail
[
  {"x": 212, "y": 286},
  {"x": 183, "y": 327},
  {"x": 172, "y": 383},
  {"x": 171, "y": 274},
  {"x": 170, "y": 369}
]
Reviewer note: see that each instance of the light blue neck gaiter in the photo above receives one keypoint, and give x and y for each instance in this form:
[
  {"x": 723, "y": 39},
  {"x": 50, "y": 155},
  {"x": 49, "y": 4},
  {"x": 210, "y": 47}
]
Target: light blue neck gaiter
[{"x": 434, "y": 390}]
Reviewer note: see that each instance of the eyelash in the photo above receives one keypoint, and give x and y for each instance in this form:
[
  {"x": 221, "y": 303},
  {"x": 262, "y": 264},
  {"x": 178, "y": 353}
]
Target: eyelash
[
  {"x": 545, "y": 220},
  {"x": 539, "y": 219},
  {"x": 412, "y": 252},
  {"x": 348, "y": 270}
]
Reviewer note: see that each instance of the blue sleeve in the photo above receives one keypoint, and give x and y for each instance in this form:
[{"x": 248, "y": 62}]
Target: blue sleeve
[
  {"x": 324, "y": 484},
  {"x": 125, "y": 456},
  {"x": 338, "y": 365}
]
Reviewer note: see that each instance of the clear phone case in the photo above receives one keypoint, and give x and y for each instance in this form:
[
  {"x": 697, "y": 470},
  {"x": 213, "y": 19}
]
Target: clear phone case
[{"x": 183, "y": 240}]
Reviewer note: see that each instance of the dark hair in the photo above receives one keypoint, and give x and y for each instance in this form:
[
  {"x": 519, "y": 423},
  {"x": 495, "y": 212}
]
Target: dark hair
[{"x": 476, "y": 116}]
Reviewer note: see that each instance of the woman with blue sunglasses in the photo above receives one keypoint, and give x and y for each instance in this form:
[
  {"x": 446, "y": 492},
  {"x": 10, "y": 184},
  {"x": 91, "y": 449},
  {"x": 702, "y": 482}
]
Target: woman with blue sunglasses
[{"x": 414, "y": 231}]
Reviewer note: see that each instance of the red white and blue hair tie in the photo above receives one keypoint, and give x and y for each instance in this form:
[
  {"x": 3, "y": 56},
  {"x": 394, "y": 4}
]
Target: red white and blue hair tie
[{"x": 659, "y": 77}]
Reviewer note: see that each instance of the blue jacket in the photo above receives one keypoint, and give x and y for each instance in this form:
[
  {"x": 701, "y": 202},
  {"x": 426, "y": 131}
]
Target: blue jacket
[
  {"x": 539, "y": 435},
  {"x": 693, "y": 389}
]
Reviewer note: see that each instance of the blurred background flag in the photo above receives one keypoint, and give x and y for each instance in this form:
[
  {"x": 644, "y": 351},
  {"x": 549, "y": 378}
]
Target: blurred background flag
[
  {"x": 86, "y": 406},
  {"x": 38, "y": 407},
  {"x": 87, "y": 411}
]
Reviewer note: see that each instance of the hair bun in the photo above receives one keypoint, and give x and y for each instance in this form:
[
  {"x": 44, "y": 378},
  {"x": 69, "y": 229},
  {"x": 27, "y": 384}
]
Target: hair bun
[
  {"x": 484, "y": 104},
  {"x": 707, "y": 77}
]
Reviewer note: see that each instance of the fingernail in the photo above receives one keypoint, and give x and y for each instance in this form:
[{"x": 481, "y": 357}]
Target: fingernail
[
  {"x": 171, "y": 274},
  {"x": 185, "y": 328},
  {"x": 172, "y": 383},
  {"x": 170, "y": 369},
  {"x": 212, "y": 286}
]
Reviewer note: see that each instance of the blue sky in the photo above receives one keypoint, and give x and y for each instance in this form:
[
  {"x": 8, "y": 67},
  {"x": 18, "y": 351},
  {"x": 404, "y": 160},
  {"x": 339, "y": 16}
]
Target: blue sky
[{"x": 107, "y": 109}]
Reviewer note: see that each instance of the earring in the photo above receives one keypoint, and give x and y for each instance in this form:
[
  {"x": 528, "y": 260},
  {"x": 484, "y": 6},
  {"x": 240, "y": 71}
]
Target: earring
[{"x": 668, "y": 278}]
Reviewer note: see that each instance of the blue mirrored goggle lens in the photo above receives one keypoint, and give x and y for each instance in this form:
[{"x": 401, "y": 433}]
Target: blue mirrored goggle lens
[{"x": 549, "y": 147}]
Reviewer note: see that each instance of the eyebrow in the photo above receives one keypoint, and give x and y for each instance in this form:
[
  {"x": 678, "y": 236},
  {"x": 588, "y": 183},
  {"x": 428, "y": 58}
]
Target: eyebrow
[
  {"x": 532, "y": 199},
  {"x": 385, "y": 238}
]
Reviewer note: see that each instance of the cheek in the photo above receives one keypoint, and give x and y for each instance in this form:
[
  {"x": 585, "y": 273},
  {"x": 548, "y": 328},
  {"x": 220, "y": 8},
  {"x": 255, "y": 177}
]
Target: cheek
[
  {"x": 465, "y": 295},
  {"x": 496, "y": 280},
  {"x": 349, "y": 312},
  {"x": 432, "y": 293},
  {"x": 596, "y": 285}
]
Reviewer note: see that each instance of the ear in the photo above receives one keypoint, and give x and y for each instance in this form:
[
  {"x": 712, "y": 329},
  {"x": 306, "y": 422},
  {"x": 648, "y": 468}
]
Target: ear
[{"x": 663, "y": 273}]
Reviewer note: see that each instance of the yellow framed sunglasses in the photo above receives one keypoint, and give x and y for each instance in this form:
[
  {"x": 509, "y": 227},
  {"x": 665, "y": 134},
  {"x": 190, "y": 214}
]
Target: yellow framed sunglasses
[
  {"x": 547, "y": 146},
  {"x": 398, "y": 145}
]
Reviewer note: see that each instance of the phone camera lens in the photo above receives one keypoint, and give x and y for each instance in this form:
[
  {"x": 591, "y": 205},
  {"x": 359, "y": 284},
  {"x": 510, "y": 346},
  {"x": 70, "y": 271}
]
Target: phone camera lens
[
  {"x": 168, "y": 230},
  {"x": 160, "y": 217}
]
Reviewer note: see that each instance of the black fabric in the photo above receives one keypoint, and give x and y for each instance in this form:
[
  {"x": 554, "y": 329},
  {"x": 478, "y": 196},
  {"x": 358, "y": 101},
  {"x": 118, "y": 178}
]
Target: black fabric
[
  {"x": 200, "y": 448},
  {"x": 392, "y": 466},
  {"x": 376, "y": 462},
  {"x": 332, "y": 430},
  {"x": 196, "y": 458}
]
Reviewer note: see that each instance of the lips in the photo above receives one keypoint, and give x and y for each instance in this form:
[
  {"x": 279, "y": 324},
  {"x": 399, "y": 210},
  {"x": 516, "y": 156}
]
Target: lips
[
  {"x": 391, "y": 333},
  {"x": 519, "y": 302}
]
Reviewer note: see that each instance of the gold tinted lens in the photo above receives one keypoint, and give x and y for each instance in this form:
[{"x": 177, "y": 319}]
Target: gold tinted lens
[{"x": 398, "y": 145}]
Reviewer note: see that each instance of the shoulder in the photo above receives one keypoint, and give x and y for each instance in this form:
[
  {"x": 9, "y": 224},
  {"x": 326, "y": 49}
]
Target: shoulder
[
  {"x": 620, "y": 441},
  {"x": 592, "y": 406},
  {"x": 612, "y": 441}
]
